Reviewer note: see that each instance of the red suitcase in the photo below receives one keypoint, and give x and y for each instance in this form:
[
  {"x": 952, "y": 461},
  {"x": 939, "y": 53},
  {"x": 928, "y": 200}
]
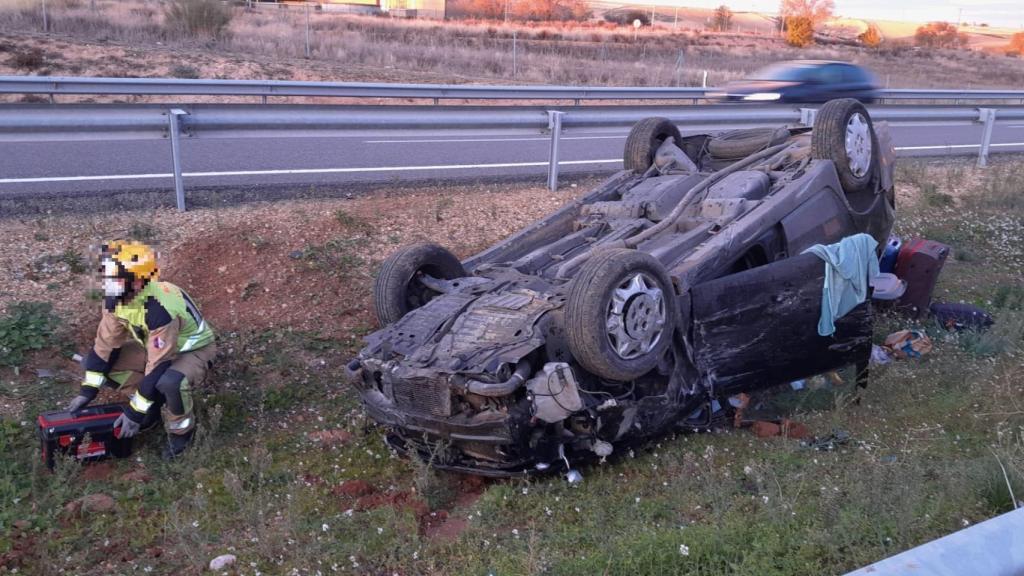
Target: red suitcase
[{"x": 919, "y": 263}]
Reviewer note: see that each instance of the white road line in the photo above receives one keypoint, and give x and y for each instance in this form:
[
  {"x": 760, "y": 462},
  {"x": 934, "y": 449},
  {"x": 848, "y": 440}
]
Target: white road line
[
  {"x": 945, "y": 146},
  {"x": 298, "y": 171},
  {"x": 542, "y": 139}
]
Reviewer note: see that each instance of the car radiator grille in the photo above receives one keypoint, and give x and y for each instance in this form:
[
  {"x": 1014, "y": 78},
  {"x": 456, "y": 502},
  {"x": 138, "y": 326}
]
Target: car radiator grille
[{"x": 423, "y": 395}]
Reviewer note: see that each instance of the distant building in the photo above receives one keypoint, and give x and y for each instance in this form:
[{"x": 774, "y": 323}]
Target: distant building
[{"x": 398, "y": 8}]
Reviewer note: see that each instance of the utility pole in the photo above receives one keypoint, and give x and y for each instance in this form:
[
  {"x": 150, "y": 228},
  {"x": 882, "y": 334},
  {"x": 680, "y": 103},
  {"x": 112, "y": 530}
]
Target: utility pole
[
  {"x": 514, "y": 54},
  {"x": 675, "y": 23},
  {"x": 652, "y": 16},
  {"x": 307, "y": 31},
  {"x": 46, "y": 22}
]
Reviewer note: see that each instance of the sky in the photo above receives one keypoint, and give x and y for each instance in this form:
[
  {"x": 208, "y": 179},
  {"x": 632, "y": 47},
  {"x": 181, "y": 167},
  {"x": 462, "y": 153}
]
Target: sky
[{"x": 1004, "y": 13}]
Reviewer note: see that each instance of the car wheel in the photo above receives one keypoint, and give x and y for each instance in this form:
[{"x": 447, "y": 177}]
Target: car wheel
[
  {"x": 843, "y": 133},
  {"x": 643, "y": 141},
  {"x": 620, "y": 314},
  {"x": 397, "y": 289}
]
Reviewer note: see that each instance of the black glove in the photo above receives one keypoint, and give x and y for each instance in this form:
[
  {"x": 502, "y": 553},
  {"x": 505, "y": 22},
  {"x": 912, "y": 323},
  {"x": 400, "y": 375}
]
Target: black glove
[
  {"x": 128, "y": 426},
  {"x": 78, "y": 403}
]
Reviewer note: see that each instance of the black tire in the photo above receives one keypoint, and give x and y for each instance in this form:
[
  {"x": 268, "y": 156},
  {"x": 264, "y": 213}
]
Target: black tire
[
  {"x": 643, "y": 141},
  {"x": 396, "y": 291},
  {"x": 738, "y": 144},
  {"x": 587, "y": 312},
  {"x": 828, "y": 142}
]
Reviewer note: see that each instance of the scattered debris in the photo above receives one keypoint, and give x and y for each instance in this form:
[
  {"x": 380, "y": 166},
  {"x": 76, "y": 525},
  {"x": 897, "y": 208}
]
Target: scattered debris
[
  {"x": 828, "y": 443},
  {"x": 907, "y": 344},
  {"x": 961, "y": 317},
  {"x": 879, "y": 356},
  {"x": 783, "y": 427}
]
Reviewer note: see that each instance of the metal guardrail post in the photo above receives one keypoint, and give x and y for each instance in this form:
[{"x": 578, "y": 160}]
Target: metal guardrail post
[
  {"x": 555, "y": 125},
  {"x": 174, "y": 127},
  {"x": 988, "y": 117},
  {"x": 807, "y": 116}
]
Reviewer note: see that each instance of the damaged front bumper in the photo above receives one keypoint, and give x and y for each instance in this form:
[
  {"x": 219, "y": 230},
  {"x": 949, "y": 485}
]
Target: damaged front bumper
[{"x": 530, "y": 430}]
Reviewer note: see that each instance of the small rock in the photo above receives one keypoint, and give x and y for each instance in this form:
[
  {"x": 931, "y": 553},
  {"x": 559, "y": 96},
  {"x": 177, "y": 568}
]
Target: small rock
[
  {"x": 101, "y": 471},
  {"x": 221, "y": 562},
  {"x": 295, "y": 254},
  {"x": 137, "y": 475},
  {"x": 90, "y": 503},
  {"x": 353, "y": 489},
  {"x": 331, "y": 437}
]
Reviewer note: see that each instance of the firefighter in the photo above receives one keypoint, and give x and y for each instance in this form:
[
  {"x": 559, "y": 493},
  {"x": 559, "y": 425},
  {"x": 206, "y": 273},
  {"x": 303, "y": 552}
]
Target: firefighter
[{"x": 152, "y": 344}]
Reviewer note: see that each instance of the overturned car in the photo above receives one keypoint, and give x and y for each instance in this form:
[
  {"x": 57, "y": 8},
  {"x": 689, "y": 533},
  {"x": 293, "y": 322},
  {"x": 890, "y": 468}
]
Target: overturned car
[{"x": 678, "y": 281}]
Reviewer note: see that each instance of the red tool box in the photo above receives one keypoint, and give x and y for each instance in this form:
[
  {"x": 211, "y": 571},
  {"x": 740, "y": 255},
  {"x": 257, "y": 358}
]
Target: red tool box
[{"x": 63, "y": 432}]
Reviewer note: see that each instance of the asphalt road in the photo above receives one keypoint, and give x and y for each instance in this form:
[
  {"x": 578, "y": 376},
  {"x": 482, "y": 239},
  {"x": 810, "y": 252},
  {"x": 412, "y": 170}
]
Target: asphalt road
[{"x": 62, "y": 167}]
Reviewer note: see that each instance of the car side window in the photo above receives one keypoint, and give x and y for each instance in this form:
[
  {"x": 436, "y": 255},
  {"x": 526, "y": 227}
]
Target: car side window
[
  {"x": 831, "y": 74},
  {"x": 852, "y": 75}
]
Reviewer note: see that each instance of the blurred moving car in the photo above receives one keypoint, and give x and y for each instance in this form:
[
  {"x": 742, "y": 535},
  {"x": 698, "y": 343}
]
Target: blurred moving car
[{"x": 802, "y": 81}]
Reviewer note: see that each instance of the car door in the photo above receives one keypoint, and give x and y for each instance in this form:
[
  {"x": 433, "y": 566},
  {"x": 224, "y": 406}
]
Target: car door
[
  {"x": 831, "y": 83},
  {"x": 758, "y": 328}
]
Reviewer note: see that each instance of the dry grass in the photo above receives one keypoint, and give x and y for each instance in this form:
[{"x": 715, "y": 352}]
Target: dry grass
[
  {"x": 474, "y": 51},
  {"x": 924, "y": 458}
]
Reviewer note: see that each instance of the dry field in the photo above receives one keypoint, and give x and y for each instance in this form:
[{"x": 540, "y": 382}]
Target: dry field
[
  {"x": 292, "y": 479},
  {"x": 128, "y": 38}
]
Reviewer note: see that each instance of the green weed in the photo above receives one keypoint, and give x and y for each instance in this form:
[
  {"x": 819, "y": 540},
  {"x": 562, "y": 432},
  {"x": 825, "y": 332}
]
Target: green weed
[{"x": 26, "y": 327}]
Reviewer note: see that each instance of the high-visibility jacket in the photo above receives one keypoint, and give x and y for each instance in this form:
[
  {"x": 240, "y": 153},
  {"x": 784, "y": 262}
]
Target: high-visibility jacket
[{"x": 163, "y": 320}]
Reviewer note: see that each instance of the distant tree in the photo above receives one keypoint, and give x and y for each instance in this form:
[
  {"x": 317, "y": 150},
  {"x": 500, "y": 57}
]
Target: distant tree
[
  {"x": 817, "y": 11},
  {"x": 801, "y": 17},
  {"x": 550, "y": 10},
  {"x": 627, "y": 17},
  {"x": 199, "y": 18},
  {"x": 722, "y": 19},
  {"x": 872, "y": 37},
  {"x": 939, "y": 35},
  {"x": 1016, "y": 44},
  {"x": 799, "y": 31},
  {"x": 492, "y": 9}
]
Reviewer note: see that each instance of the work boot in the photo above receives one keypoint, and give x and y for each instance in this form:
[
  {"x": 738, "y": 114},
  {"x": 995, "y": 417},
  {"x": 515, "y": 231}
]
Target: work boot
[
  {"x": 176, "y": 444},
  {"x": 150, "y": 420}
]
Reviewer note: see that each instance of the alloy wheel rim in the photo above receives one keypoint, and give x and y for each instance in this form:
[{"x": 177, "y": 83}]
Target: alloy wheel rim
[
  {"x": 858, "y": 144},
  {"x": 635, "y": 320}
]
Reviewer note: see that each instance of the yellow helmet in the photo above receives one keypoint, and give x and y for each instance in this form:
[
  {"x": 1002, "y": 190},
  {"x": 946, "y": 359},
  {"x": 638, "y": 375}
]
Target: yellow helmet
[{"x": 131, "y": 257}]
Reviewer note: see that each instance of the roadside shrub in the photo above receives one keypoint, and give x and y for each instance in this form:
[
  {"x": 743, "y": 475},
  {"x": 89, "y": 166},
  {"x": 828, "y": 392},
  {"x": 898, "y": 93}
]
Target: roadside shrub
[
  {"x": 799, "y": 31},
  {"x": 198, "y": 18},
  {"x": 29, "y": 59},
  {"x": 872, "y": 37},
  {"x": 722, "y": 20},
  {"x": 185, "y": 71},
  {"x": 1016, "y": 46},
  {"x": 939, "y": 35},
  {"x": 27, "y": 326},
  {"x": 627, "y": 17}
]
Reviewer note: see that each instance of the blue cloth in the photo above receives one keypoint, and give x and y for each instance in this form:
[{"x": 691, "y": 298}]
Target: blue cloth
[{"x": 850, "y": 265}]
